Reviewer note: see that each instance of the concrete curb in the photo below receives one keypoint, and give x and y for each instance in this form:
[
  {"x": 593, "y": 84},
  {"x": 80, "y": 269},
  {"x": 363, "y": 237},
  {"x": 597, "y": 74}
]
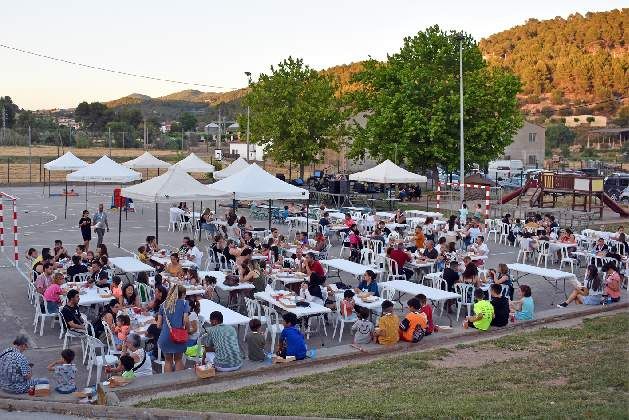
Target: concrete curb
[{"x": 448, "y": 339}]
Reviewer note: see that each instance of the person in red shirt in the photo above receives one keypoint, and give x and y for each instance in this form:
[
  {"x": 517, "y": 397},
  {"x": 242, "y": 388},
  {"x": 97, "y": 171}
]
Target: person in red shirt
[
  {"x": 426, "y": 309},
  {"x": 311, "y": 265},
  {"x": 348, "y": 220},
  {"x": 401, "y": 257}
]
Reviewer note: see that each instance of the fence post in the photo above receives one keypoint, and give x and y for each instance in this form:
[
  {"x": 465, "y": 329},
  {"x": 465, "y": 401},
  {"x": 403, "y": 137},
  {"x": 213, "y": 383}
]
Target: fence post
[
  {"x": 8, "y": 170},
  {"x": 39, "y": 169}
]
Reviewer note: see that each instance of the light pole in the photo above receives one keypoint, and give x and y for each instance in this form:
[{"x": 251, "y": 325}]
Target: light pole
[
  {"x": 248, "y": 74},
  {"x": 462, "y": 141}
]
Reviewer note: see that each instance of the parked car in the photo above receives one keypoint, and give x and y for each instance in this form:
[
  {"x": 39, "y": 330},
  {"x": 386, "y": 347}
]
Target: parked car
[
  {"x": 624, "y": 197},
  {"x": 615, "y": 184}
]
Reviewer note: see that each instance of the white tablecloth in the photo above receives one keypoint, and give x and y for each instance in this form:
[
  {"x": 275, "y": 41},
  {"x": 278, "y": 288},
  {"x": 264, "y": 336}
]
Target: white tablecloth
[
  {"x": 299, "y": 311},
  {"x": 130, "y": 265},
  {"x": 165, "y": 260},
  {"x": 350, "y": 267},
  {"x": 549, "y": 273},
  {"x": 229, "y": 317},
  {"x": 93, "y": 297}
]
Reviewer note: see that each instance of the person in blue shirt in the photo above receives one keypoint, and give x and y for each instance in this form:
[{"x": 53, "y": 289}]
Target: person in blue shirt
[
  {"x": 368, "y": 284},
  {"x": 292, "y": 341}
]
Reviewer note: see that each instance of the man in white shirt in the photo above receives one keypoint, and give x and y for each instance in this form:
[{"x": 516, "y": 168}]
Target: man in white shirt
[
  {"x": 174, "y": 214},
  {"x": 194, "y": 254},
  {"x": 479, "y": 247}
]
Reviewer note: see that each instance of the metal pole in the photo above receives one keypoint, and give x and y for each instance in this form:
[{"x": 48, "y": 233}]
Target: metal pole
[
  {"x": 85, "y": 191},
  {"x": 156, "y": 229},
  {"x": 182, "y": 139},
  {"x": 462, "y": 141},
  {"x": 30, "y": 154},
  {"x": 109, "y": 141},
  {"x": 65, "y": 209},
  {"x": 269, "y": 214},
  {"x": 248, "y": 110},
  {"x": 119, "y": 224},
  {"x": 123, "y": 139}
]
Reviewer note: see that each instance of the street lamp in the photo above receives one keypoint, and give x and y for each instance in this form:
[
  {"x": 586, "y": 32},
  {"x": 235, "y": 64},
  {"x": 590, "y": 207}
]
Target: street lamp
[
  {"x": 248, "y": 74},
  {"x": 460, "y": 38}
]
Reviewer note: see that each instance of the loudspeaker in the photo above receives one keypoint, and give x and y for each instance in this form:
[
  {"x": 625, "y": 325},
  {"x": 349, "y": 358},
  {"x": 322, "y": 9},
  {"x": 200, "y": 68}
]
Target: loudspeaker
[{"x": 334, "y": 187}]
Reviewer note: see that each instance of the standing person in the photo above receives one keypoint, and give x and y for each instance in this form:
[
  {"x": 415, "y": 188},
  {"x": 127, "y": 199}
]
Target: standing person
[
  {"x": 85, "y": 223},
  {"x": 16, "y": 375},
  {"x": 173, "y": 313},
  {"x": 100, "y": 223}
]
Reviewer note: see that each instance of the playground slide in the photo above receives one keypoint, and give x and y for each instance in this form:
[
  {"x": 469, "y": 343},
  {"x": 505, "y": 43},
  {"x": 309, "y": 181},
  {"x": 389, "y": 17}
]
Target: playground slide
[
  {"x": 514, "y": 194},
  {"x": 613, "y": 205}
]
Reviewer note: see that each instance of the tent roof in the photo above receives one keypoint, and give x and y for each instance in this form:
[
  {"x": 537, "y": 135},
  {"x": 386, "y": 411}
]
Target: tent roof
[
  {"x": 387, "y": 173},
  {"x": 175, "y": 185},
  {"x": 146, "y": 161},
  {"x": 254, "y": 183},
  {"x": 236, "y": 166},
  {"x": 66, "y": 162},
  {"x": 192, "y": 163},
  {"x": 104, "y": 170}
]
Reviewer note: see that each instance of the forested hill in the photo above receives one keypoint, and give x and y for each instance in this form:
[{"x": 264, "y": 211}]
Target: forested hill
[{"x": 582, "y": 57}]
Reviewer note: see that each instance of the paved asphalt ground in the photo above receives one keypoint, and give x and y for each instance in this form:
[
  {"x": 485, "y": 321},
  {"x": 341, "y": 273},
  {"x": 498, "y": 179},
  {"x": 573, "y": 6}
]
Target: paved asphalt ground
[{"x": 41, "y": 221}]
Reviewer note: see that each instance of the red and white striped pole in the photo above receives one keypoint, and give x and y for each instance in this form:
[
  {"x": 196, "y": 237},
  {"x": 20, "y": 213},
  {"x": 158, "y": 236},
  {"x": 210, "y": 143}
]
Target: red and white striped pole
[
  {"x": 15, "y": 244},
  {"x": 438, "y": 195},
  {"x": 486, "y": 201}
]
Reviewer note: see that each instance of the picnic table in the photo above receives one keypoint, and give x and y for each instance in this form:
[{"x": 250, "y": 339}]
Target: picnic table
[
  {"x": 549, "y": 274},
  {"x": 166, "y": 259},
  {"x": 299, "y": 311},
  {"x": 230, "y": 317},
  {"x": 94, "y": 296},
  {"x": 350, "y": 267},
  {"x": 130, "y": 265}
]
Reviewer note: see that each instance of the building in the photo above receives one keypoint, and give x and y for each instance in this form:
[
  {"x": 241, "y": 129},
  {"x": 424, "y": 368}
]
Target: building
[
  {"x": 256, "y": 151},
  {"x": 165, "y": 127},
  {"x": 211, "y": 129},
  {"x": 68, "y": 122},
  {"x": 529, "y": 145},
  {"x": 591, "y": 120}
]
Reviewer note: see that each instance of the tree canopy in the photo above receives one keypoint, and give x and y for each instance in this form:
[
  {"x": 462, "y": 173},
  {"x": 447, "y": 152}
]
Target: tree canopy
[
  {"x": 295, "y": 112},
  {"x": 413, "y": 104}
]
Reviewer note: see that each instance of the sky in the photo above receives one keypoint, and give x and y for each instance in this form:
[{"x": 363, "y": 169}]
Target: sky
[{"x": 214, "y": 43}]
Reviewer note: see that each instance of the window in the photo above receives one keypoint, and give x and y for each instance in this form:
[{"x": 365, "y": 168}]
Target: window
[
  {"x": 532, "y": 138},
  {"x": 532, "y": 159}
]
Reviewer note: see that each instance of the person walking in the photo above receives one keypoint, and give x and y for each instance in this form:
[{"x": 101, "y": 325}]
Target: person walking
[{"x": 100, "y": 223}]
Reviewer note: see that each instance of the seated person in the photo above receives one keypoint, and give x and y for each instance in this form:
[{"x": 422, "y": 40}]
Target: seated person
[
  {"x": 411, "y": 321},
  {"x": 483, "y": 312},
  {"x": 524, "y": 308},
  {"x": 387, "y": 330},
  {"x": 612, "y": 283},
  {"x": 501, "y": 306},
  {"x": 71, "y": 313},
  {"x": 401, "y": 257},
  {"x": 430, "y": 252},
  {"x": 588, "y": 294},
  {"x": 292, "y": 342},
  {"x": 76, "y": 267},
  {"x": 368, "y": 284},
  {"x": 221, "y": 341},
  {"x": 143, "y": 255}
]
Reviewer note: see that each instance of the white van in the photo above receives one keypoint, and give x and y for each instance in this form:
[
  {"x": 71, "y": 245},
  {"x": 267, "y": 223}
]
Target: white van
[{"x": 503, "y": 169}]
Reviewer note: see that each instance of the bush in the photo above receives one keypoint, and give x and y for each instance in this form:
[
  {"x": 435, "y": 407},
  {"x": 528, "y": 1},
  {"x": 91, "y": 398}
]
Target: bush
[
  {"x": 547, "y": 111},
  {"x": 564, "y": 112},
  {"x": 556, "y": 97},
  {"x": 590, "y": 119}
]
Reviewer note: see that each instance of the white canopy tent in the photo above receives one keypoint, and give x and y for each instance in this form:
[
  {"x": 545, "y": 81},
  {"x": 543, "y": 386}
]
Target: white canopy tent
[
  {"x": 388, "y": 173},
  {"x": 192, "y": 163},
  {"x": 254, "y": 183},
  {"x": 235, "y": 167},
  {"x": 175, "y": 185},
  {"x": 105, "y": 170},
  {"x": 66, "y": 162},
  {"x": 146, "y": 161}
]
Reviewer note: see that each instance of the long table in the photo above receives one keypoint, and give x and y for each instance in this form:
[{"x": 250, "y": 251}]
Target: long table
[
  {"x": 549, "y": 274},
  {"x": 230, "y": 317},
  {"x": 299, "y": 311},
  {"x": 350, "y": 267}
]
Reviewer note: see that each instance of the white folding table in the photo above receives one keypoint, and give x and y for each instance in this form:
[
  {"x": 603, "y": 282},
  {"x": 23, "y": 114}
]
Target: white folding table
[
  {"x": 299, "y": 311},
  {"x": 92, "y": 296},
  {"x": 350, "y": 267},
  {"x": 230, "y": 317},
  {"x": 549, "y": 274},
  {"x": 404, "y": 287}
]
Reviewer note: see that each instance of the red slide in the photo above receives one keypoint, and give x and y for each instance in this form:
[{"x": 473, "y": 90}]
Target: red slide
[
  {"x": 520, "y": 191},
  {"x": 613, "y": 205}
]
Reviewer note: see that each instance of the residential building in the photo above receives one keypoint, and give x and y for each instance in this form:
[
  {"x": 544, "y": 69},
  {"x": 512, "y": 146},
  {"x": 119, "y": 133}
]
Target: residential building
[
  {"x": 528, "y": 145},
  {"x": 256, "y": 151}
]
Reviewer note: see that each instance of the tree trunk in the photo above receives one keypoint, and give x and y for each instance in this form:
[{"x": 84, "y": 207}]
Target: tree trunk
[{"x": 302, "y": 168}]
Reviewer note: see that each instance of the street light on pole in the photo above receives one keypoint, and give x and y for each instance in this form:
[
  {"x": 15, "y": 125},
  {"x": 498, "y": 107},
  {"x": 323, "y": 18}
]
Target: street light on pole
[
  {"x": 460, "y": 38},
  {"x": 248, "y": 74}
]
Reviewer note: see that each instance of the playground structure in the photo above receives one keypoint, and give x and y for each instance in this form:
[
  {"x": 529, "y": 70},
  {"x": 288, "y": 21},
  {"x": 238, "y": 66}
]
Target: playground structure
[
  {"x": 587, "y": 193},
  {"x": 6, "y": 197}
]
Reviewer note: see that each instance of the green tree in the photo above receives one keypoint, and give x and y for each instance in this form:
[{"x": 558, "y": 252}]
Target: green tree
[
  {"x": 10, "y": 110},
  {"x": 294, "y": 111},
  {"x": 559, "y": 136},
  {"x": 188, "y": 121},
  {"x": 412, "y": 102}
]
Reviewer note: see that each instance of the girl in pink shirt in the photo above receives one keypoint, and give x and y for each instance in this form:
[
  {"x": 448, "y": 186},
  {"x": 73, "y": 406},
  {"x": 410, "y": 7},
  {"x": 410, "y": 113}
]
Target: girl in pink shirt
[
  {"x": 52, "y": 294},
  {"x": 612, "y": 283}
]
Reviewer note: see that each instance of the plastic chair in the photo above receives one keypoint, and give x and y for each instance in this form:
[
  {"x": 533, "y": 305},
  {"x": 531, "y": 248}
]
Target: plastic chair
[
  {"x": 466, "y": 298},
  {"x": 342, "y": 318},
  {"x": 343, "y": 236},
  {"x": 505, "y": 229},
  {"x": 492, "y": 229},
  {"x": 273, "y": 326},
  {"x": 91, "y": 344},
  {"x": 524, "y": 252},
  {"x": 544, "y": 252},
  {"x": 81, "y": 277},
  {"x": 183, "y": 224},
  {"x": 111, "y": 344},
  {"x": 42, "y": 316},
  {"x": 254, "y": 310},
  {"x": 566, "y": 259},
  {"x": 393, "y": 272},
  {"x": 367, "y": 256}
]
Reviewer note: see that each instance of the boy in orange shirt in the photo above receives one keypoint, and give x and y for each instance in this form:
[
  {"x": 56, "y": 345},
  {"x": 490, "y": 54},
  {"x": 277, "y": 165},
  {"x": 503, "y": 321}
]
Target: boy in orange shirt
[{"x": 412, "y": 319}]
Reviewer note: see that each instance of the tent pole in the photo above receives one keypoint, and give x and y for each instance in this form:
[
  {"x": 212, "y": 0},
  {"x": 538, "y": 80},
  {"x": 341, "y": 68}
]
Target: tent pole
[
  {"x": 65, "y": 210},
  {"x": 193, "y": 225},
  {"x": 85, "y": 194},
  {"x": 48, "y": 183},
  {"x": 156, "y": 230},
  {"x": 214, "y": 207},
  {"x": 119, "y": 224},
  {"x": 308, "y": 217},
  {"x": 269, "y": 214}
]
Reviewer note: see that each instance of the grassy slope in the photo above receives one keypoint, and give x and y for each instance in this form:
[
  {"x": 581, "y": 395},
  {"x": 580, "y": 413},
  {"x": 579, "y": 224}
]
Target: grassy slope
[{"x": 573, "y": 372}]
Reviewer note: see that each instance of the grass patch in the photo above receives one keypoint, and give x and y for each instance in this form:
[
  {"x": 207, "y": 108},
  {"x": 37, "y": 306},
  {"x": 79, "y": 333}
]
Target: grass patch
[{"x": 571, "y": 372}]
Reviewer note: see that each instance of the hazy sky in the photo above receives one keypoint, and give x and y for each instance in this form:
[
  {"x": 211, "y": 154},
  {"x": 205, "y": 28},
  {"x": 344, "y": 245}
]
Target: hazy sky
[{"x": 214, "y": 43}]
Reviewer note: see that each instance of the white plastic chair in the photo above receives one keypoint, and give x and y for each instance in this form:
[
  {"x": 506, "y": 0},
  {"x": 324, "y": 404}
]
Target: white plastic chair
[
  {"x": 41, "y": 317},
  {"x": 466, "y": 298},
  {"x": 566, "y": 259},
  {"x": 94, "y": 360},
  {"x": 183, "y": 224},
  {"x": 367, "y": 256},
  {"x": 68, "y": 334},
  {"x": 544, "y": 252},
  {"x": 342, "y": 318},
  {"x": 505, "y": 229},
  {"x": 492, "y": 229},
  {"x": 392, "y": 270},
  {"x": 254, "y": 310},
  {"x": 111, "y": 344},
  {"x": 524, "y": 251},
  {"x": 274, "y": 325},
  {"x": 343, "y": 236},
  {"x": 80, "y": 277}
]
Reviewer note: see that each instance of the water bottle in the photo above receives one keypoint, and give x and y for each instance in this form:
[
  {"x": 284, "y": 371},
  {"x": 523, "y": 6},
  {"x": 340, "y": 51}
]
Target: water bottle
[
  {"x": 269, "y": 358},
  {"x": 312, "y": 353}
]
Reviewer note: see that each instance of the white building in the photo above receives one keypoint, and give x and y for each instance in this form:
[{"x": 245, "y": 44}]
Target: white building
[
  {"x": 594, "y": 120},
  {"x": 256, "y": 151}
]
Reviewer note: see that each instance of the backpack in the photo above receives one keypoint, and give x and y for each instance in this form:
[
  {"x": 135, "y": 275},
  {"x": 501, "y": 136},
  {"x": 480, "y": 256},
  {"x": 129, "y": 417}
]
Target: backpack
[{"x": 418, "y": 334}]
